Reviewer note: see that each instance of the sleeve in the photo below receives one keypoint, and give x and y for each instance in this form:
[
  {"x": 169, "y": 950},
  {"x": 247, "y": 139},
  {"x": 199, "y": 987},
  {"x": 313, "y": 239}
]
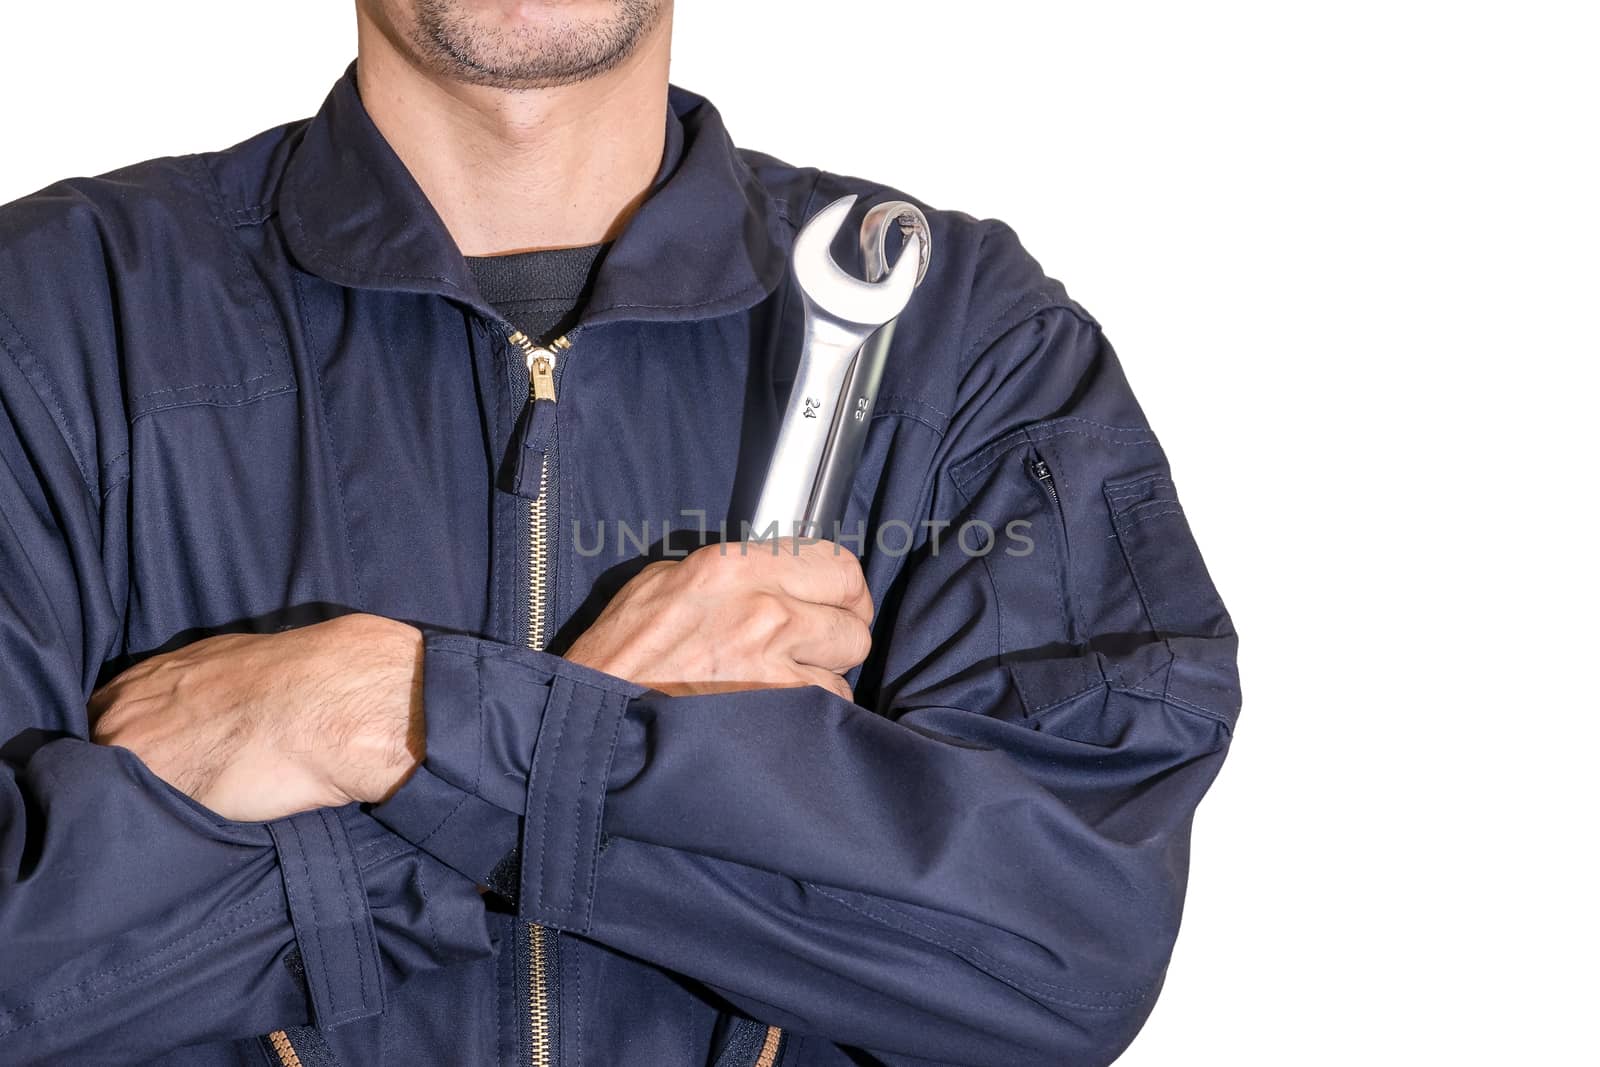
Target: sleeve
[
  {"x": 984, "y": 860},
  {"x": 133, "y": 920}
]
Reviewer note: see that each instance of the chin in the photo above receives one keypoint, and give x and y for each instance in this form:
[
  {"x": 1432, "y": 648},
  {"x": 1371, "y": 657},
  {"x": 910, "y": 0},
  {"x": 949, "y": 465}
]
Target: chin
[{"x": 525, "y": 43}]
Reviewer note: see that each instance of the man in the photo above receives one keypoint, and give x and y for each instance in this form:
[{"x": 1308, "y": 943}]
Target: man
[{"x": 331, "y": 737}]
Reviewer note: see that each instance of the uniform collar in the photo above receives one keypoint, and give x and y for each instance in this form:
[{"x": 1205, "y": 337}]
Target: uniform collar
[{"x": 707, "y": 241}]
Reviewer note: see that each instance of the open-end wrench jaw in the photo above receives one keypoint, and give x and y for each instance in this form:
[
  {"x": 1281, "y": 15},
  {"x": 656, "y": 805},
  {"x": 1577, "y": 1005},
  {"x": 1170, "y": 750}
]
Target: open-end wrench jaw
[
  {"x": 818, "y": 438},
  {"x": 831, "y": 291}
]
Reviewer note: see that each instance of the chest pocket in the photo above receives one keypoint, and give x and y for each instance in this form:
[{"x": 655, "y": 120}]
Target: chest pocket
[{"x": 206, "y": 329}]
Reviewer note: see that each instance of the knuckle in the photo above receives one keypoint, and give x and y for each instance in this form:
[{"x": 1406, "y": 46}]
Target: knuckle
[
  {"x": 106, "y": 727},
  {"x": 703, "y": 568},
  {"x": 659, "y": 568},
  {"x": 844, "y": 553},
  {"x": 859, "y": 640},
  {"x": 855, "y": 578},
  {"x": 768, "y": 612}
]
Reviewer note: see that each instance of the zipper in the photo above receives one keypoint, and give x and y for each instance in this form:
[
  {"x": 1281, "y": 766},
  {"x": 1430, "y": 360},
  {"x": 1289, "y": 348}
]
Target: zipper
[
  {"x": 768, "y": 1056},
  {"x": 284, "y": 1048},
  {"x": 541, "y": 363},
  {"x": 1041, "y": 471}
]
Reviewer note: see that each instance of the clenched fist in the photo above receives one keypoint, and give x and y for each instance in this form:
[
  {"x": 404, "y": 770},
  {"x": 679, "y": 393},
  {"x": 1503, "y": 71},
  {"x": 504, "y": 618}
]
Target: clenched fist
[
  {"x": 259, "y": 726},
  {"x": 742, "y": 615}
]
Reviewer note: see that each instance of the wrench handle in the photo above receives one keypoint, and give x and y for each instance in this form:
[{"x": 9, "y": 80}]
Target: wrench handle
[
  {"x": 786, "y": 504},
  {"x": 842, "y": 454}
]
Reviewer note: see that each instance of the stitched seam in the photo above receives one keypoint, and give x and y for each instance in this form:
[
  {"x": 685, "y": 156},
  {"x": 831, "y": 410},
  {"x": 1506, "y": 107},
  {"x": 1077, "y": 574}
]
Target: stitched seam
[
  {"x": 577, "y": 806},
  {"x": 369, "y": 856},
  {"x": 105, "y": 490},
  {"x": 1144, "y": 600},
  {"x": 984, "y": 339},
  {"x": 1136, "y": 442},
  {"x": 327, "y": 436},
  {"x": 1122, "y": 498},
  {"x": 447, "y": 817},
  {"x": 110, "y": 486},
  {"x": 910, "y": 416},
  {"x": 321, "y": 979},
  {"x": 212, "y": 193},
  {"x": 1111, "y": 428},
  {"x": 512, "y": 653},
  {"x": 178, "y": 405},
  {"x": 917, "y": 401},
  {"x": 199, "y": 931},
  {"x": 203, "y": 388},
  {"x": 1146, "y": 518},
  {"x": 483, "y": 729},
  {"x": 1181, "y": 704},
  {"x": 427, "y": 911},
  {"x": 1006, "y": 443},
  {"x": 1165, "y": 501},
  {"x": 250, "y": 215},
  {"x": 1165, "y": 666},
  {"x": 599, "y": 809},
  {"x": 1155, "y": 491},
  {"x": 1045, "y": 709},
  {"x": 1133, "y": 994},
  {"x": 51, "y": 402},
  {"x": 994, "y": 591},
  {"x": 1122, "y": 486},
  {"x": 149, "y": 974},
  {"x": 577, "y": 1002},
  {"x": 353, "y": 903},
  {"x": 549, "y": 797},
  {"x": 318, "y": 252},
  {"x": 1125, "y": 998}
]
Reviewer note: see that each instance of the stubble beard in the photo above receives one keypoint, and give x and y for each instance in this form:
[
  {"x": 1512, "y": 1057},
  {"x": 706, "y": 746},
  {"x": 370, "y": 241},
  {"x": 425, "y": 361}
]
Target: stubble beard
[{"x": 457, "y": 46}]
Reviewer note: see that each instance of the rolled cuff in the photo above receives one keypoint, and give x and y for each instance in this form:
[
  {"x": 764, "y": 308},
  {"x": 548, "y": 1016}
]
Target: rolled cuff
[
  {"x": 511, "y": 792},
  {"x": 329, "y": 911}
]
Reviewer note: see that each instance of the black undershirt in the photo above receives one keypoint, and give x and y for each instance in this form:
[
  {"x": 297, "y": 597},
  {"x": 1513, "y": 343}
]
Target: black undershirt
[{"x": 540, "y": 293}]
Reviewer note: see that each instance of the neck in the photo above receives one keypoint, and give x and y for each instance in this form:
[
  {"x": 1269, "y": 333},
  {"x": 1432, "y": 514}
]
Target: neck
[{"x": 527, "y": 169}]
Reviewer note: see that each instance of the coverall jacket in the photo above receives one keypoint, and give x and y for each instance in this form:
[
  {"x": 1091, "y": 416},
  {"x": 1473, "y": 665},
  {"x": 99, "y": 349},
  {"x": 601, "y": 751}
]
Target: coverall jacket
[{"x": 252, "y": 389}]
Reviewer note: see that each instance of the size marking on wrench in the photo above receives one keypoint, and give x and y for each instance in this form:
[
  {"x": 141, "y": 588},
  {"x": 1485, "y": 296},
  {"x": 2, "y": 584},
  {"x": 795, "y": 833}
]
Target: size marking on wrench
[{"x": 848, "y": 326}]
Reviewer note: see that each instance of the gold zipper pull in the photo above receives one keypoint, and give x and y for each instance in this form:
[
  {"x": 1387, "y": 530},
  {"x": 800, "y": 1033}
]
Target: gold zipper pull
[
  {"x": 542, "y": 376},
  {"x": 541, "y": 363}
]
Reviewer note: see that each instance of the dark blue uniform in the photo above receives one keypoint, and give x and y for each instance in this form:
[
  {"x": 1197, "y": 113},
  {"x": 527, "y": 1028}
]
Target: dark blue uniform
[{"x": 257, "y": 388}]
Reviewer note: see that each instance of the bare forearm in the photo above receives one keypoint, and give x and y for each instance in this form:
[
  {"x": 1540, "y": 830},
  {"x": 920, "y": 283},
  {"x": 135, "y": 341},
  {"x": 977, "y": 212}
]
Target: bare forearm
[{"x": 259, "y": 726}]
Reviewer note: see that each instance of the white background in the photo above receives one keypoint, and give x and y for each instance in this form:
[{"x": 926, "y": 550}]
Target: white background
[{"x": 1348, "y": 254}]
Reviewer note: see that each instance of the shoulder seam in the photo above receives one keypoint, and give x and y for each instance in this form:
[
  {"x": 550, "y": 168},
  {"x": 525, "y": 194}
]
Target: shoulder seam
[
  {"x": 988, "y": 336},
  {"x": 44, "y": 389}
]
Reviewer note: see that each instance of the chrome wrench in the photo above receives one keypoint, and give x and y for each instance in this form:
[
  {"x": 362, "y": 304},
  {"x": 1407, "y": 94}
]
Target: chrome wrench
[{"x": 848, "y": 326}]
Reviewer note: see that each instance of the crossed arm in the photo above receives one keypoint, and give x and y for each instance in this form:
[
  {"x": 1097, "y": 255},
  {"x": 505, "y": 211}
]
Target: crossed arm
[
  {"x": 258, "y": 727},
  {"x": 987, "y": 866}
]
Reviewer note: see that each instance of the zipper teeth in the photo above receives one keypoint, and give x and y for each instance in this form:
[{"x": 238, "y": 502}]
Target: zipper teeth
[
  {"x": 769, "y": 1047},
  {"x": 537, "y": 560},
  {"x": 538, "y": 568},
  {"x": 539, "y": 998},
  {"x": 284, "y": 1048},
  {"x": 538, "y": 574},
  {"x": 538, "y": 552}
]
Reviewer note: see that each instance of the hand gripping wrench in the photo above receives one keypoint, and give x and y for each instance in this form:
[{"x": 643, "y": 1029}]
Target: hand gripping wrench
[{"x": 848, "y": 326}]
